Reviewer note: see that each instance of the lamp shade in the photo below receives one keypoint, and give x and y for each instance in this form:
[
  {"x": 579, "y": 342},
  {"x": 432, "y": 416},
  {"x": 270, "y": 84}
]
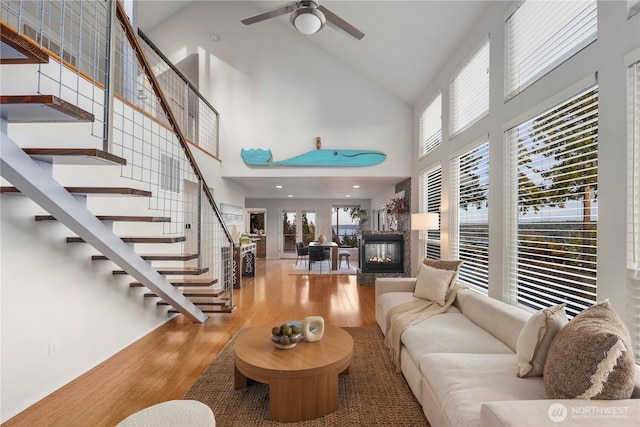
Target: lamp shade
[
  {"x": 308, "y": 20},
  {"x": 425, "y": 221}
]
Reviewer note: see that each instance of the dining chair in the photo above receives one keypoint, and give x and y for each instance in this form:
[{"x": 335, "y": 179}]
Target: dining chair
[
  {"x": 319, "y": 254},
  {"x": 302, "y": 252}
]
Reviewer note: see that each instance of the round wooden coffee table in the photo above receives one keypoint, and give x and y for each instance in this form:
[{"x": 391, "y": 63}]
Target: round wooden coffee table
[{"x": 303, "y": 381}]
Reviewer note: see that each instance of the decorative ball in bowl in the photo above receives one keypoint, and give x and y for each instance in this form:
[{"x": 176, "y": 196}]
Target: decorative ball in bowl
[{"x": 286, "y": 336}]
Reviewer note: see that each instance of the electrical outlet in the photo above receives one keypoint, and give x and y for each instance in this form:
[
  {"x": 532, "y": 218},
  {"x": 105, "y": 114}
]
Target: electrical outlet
[{"x": 53, "y": 348}]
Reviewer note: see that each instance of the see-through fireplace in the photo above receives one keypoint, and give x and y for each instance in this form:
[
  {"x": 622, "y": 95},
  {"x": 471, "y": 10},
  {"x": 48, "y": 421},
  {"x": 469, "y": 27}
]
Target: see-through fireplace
[{"x": 382, "y": 253}]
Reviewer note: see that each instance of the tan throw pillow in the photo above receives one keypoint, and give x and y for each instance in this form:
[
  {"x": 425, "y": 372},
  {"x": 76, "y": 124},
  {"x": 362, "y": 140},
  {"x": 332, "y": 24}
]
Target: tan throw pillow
[
  {"x": 591, "y": 357},
  {"x": 535, "y": 338},
  {"x": 432, "y": 284}
]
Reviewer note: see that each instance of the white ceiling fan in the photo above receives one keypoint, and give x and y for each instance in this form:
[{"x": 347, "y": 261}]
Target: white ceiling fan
[{"x": 307, "y": 17}]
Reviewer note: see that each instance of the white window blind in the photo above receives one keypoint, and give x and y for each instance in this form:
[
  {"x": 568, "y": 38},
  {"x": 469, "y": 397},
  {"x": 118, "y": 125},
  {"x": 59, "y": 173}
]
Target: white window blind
[
  {"x": 543, "y": 34},
  {"x": 431, "y": 188},
  {"x": 633, "y": 210},
  {"x": 470, "y": 215},
  {"x": 470, "y": 91},
  {"x": 431, "y": 126},
  {"x": 553, "y": 244}
]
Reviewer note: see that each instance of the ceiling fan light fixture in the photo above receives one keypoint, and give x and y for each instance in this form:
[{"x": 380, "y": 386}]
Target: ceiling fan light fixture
[{"x": 308, "y": 20}]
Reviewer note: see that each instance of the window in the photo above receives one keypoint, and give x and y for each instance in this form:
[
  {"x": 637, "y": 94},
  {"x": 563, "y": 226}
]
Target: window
[
  {"x": 470, "y": 215},
  {"x": 554, "y": 212},
  {"x": 470, "y": 91},
  {"x": 633, "y": 210},
  {"x": 431, "y": 126},
  {"x": 345, "y": 227},
  {"x": 169, "y": 173},
  {"x": 541, "y": 35},
  {"x": 430, "y": 187}
]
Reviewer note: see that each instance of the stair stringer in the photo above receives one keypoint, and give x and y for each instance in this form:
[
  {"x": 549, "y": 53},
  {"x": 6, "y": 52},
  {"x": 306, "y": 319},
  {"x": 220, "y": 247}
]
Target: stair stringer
[{"x": 19, "y": 169}]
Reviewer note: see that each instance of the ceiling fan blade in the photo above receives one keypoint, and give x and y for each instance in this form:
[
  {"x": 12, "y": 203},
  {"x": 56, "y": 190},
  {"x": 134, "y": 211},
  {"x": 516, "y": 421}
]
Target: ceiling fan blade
[
  {"x": 340, "y": 24},
  {"x": 280, "y": 10}
]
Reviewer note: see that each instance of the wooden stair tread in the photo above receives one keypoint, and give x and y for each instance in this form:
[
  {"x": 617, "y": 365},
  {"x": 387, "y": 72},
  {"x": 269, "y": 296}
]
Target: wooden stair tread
[
  {"x": 200, "y": 303},
  {"x": 223, "y": 309},
  {"x": 186, "y": 282},
  {"x": 173, "y": 271},
  {"x": 23, "y": 50},
  {"x": 74, "y": 156},
  {"x": 196, "y": 293},
  {"x": 121, "y": 218},
  {"x": 103, "y": 191},
  {"x": 154, "y": 257},
  {"x": 141, "y": 239},
  {"x": 41, "y": 109}
]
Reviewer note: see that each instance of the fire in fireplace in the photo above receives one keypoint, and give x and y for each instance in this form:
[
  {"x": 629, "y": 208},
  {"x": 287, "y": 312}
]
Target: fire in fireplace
[{"x": 382, "y": 253}]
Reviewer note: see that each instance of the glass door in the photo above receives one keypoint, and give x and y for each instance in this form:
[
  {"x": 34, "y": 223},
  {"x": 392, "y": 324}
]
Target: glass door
[
  {"x": 308, "y": 227},
  {"x": 297, "y": 225},
  {"x": 289, "y": 232}
]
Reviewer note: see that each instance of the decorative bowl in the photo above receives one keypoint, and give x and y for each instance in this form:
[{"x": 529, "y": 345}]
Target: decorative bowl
[
  {"x": 287, "y": 335},
  {"x": 293, "y": 340}
]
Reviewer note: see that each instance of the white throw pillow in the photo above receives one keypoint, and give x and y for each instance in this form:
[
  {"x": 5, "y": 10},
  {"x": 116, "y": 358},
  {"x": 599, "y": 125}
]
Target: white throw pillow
[
  {"x": 432, "y": 284},
  {"x": 535, "y": 338}
]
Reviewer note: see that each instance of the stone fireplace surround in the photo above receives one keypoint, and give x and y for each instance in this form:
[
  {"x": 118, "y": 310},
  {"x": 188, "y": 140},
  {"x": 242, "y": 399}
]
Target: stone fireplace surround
[{"x": 370, "y": 278}]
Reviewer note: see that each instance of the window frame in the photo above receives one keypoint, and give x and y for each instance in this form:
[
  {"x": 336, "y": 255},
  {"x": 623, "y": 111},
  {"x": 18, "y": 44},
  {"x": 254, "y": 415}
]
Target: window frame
[
  {"x": 457, "y": 130},
  {"x": 632, "y": 62},
  {"x": 430, "y": 237},
  {"x": 427, "y": 114},
  {"x": 512, "y": 187},
  {"x": 482, "y": 144},
  {"x": 512, "y": 90}
]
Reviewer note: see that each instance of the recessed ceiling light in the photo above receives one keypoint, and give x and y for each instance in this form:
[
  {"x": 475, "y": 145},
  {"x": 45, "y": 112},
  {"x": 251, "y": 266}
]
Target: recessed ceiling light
[
  {"x": 290, "y": 195},
  {"x": 215, "y": 37},
  {"x": 278, "y": 186},
  {"x": 356, "y": 186},
  {"x": 348, "y": 195}
]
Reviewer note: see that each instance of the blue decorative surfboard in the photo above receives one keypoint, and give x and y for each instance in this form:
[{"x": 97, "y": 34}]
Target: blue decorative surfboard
[{"x": 259, "y": 157}]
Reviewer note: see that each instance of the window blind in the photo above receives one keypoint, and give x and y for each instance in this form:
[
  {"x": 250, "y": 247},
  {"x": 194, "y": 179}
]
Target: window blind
[
  {"x": 431, "y": 188},
  {"x": 541, "y": 35},
  {"x": 553, "y": 246},
  {"x": 470, "y": 91},
  {"x": 633, "y": 209},
  {"x": 470, "y": 215},
  {"x": 431, "y": 126}
]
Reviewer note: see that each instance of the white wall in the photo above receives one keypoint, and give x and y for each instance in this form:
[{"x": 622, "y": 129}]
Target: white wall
[
  {"x": 617, "y": 36},
  {"x": 276, "y": 90},
  {"x": 53, "y": 294}
]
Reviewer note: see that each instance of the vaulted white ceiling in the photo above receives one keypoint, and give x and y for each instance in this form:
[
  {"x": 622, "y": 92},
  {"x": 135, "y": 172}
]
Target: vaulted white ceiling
[{"x": 406, "y": 43}]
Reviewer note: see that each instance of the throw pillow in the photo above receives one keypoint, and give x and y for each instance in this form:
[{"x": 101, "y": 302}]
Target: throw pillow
[
  {"x": 535, "y": 338},
  {"x": 591, "y": 357},
  {"x": 445, "y": 265},
  {"x": 432, "y": 284}
]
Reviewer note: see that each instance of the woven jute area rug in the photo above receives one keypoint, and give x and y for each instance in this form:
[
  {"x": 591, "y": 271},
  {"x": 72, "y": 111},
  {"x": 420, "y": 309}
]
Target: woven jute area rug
[{"x": 372, "y": 394}]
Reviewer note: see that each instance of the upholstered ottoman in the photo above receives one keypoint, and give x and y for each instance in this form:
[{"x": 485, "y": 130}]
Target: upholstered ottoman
[{"x": 174, "y": 413}]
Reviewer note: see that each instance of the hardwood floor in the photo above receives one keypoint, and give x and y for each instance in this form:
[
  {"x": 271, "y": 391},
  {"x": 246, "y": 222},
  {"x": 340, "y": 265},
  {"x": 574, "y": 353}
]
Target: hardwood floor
[{"x": 164, "y": 364}]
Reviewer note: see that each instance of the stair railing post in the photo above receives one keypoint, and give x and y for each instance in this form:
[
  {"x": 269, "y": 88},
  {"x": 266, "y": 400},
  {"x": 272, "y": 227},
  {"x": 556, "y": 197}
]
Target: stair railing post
[
  {"x": 200, "y": 222},
  {"x": 107, "y": 130}
]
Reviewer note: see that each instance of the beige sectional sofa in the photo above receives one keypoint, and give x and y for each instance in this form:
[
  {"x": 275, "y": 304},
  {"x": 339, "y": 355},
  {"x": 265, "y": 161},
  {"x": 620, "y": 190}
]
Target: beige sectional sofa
[{"x": 461, "y": 366}]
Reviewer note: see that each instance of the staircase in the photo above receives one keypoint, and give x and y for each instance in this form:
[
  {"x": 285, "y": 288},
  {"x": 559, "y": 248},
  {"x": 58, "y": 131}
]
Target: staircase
[{"x": 185, "y": 271}]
